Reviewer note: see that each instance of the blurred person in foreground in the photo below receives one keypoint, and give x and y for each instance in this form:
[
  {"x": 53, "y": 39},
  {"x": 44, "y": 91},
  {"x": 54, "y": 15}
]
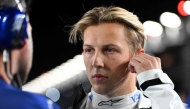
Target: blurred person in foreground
[
  {"x": 113, "y": 41},
  {"x": 16, "y": 49}
]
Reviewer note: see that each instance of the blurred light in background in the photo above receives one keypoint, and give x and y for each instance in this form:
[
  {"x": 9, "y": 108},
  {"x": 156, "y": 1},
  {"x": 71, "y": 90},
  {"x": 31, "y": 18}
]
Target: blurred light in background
[
  {"x": 154, "y": 45},
  {"x": 173, "y": 37},
  {"x": 56, "y": 76},
  {"x": 170, "y": 20},
  {"x": 180, "y": 8},
  {"x": 186, "y": 7},
  {"x": 152, "y": 28},
  {"x": 53, "y": 94}
]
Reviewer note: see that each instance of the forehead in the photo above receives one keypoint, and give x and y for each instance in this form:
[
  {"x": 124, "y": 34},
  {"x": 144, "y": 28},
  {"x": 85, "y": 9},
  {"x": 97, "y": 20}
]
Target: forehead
[{"x": 106, "y": 32}]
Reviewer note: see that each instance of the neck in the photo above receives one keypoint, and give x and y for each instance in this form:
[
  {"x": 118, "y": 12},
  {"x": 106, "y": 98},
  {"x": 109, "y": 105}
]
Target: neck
[
  {"x": 3, "y": 74},
  {"x": 130, "y": 83},
  {"x": 127, "y": 86}
]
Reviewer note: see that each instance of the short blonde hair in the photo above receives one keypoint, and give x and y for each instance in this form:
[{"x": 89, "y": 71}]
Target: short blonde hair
[{"x": 135, "y": 36}]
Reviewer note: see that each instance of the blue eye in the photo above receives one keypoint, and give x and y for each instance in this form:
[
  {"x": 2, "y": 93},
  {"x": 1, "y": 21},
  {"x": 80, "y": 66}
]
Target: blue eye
[
  {"x": 110, "y": 50},
  {"x": 88, "y": 50}
]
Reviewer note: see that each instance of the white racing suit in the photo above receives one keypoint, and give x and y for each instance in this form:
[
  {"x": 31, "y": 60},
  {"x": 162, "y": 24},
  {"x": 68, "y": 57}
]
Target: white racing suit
[
  {"x": 159, "y": 89},
  {"x": 156, "y": 92}
]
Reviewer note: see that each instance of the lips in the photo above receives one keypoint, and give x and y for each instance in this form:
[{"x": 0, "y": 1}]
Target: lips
[{"x": 99, "y": 77}]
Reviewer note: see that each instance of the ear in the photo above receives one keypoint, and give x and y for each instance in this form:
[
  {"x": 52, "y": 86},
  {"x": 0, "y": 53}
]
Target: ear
[
  {"x": 141, "y": 51},
  {"x": 138, "y": 52}
]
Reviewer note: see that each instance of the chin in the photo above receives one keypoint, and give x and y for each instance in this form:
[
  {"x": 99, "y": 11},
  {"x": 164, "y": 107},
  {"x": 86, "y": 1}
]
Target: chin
[
  {"x": 23, "y": 76},
  {"x": 100, "y": 89},
  {"x": 23, "y": 71}
]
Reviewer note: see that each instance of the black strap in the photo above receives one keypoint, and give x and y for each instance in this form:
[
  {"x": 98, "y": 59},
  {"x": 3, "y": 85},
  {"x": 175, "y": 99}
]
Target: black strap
[
  {"x": 152, "y": 82},
  {"x": 146, "y": 108}
]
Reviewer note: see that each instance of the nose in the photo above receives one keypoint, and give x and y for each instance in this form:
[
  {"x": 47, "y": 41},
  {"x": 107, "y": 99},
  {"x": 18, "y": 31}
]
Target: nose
[{"x": 98, "y": 60}]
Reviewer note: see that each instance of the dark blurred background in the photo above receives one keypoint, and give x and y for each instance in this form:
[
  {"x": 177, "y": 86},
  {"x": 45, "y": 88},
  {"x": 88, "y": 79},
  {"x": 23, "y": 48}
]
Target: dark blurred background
[{"x": 51, "y": 21}]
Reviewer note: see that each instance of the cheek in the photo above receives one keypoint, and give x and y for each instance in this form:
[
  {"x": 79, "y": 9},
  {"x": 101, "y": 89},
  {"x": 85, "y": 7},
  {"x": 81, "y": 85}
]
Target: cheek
[
  {"x": 112, "y": 63},
  {"x": 117, "y": 61},
  {"x": 87, "y": 65},
  {"x": 87, "y": 60},
  {"x": 119, "y": 65},
  {"x": 112, "y": 59}
]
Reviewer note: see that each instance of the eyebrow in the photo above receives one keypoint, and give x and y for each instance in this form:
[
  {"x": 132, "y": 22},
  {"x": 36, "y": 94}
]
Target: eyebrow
[
  {"x": 88, "y": 45},
  {"x": 106, "y": 45}
]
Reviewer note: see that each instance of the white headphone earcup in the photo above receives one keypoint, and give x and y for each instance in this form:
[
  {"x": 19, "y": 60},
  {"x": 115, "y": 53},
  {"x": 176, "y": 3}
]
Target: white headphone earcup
[{"x": 5, "y": 56}]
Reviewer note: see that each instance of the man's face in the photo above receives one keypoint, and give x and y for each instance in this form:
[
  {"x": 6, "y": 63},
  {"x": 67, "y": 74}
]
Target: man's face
[
  {"x": 26, "y": 56},
  {"x": 106, "y": 57}
]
